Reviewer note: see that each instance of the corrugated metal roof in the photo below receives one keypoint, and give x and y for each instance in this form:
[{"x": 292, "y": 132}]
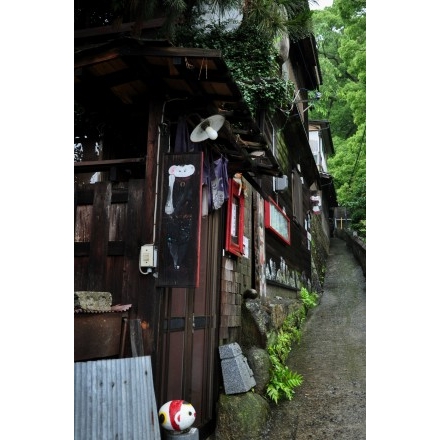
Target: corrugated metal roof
[{"x": 114, "y": 399}]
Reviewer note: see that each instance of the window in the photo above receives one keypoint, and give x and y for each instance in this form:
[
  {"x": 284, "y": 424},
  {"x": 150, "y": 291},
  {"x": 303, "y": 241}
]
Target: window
[{"x": 276, "y": 221}]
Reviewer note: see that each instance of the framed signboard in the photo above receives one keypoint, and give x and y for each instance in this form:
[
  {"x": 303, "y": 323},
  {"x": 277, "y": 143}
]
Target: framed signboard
[
  {"x": 235, "y": 219},
  {"x": 179, "y": 247},
  {"x": 276, "y": 221}
]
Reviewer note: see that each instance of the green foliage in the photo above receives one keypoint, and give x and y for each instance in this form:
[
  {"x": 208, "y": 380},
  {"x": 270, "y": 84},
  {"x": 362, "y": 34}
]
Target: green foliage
[
  {"x": 248, "y": 45},
  {"x": 251, "y": 58},
  {"x": 309, "y": 299},
  {"x": 349, "y": 173},
  {"x": 283, "y": 381},
  {"x": 340, "y": 32},
  {"x": 276, "y": 17},
  {"x": 249, "y": 48}
]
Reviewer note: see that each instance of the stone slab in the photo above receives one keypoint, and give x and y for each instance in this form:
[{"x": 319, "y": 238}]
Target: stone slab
[{"x": 91, "y": 300}]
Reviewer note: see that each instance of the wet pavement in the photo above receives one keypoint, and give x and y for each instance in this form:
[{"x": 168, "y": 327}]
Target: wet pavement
[{"x": 331, "y": 402}]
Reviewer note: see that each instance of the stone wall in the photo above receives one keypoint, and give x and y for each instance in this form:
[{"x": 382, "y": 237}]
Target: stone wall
[
  {"x": 356, "y": 245},
  {"x": 320, "y": 251}
]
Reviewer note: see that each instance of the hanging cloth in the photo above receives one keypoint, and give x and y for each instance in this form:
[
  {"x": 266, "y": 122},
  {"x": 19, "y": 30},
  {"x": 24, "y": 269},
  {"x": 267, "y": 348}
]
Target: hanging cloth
[
  {"x": 215, "y": 172},
  {"x": 219, "y": 182},
  {"x": 183, "y": 143}
]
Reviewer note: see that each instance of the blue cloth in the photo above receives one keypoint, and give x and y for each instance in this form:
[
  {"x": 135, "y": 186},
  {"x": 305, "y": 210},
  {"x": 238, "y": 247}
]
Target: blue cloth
[{"x": 219, "y": 183}]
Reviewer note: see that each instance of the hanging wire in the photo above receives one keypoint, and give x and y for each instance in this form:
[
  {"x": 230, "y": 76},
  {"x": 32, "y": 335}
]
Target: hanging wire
[{"x": 296, "y": 101}]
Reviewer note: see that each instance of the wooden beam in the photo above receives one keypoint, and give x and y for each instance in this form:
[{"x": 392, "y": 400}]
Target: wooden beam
[
  {"x": 124, "y": 27},
  {"x": 250, "y": 144},
  {"x": 82, "y": 59},
  {"x": 102, "y": 165}
]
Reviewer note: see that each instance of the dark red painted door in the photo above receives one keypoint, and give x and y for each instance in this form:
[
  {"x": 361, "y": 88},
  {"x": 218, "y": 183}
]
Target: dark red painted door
[{"x": 188, "y": 358}]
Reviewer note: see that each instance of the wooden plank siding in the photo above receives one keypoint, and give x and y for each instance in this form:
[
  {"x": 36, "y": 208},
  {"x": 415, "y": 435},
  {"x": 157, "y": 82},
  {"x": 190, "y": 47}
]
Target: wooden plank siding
[
  {"x": 109, "y": 231},
  {"x": 296, "y": 255},
  {"x": 133, "y": 233},
  {"x": 99, "y": 236}
]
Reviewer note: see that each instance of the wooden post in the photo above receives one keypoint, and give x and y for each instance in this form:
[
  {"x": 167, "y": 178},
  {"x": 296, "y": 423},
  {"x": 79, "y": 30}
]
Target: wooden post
[{"x": 155, "y": 115}]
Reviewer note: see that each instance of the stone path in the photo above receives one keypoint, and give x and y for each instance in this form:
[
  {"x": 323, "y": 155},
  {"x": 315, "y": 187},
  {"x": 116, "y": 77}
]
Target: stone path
[{"x": 331, "y": 402}]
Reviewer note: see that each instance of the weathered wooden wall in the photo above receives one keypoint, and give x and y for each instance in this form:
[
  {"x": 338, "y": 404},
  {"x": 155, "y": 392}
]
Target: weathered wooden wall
[{"x": 109, "y": 231}]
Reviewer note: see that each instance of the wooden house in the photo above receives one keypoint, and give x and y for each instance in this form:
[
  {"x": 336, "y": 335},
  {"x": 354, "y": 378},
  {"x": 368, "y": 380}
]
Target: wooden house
[
  {"x": 179, "y": 231},
  {"x": 325, "y": 199}
]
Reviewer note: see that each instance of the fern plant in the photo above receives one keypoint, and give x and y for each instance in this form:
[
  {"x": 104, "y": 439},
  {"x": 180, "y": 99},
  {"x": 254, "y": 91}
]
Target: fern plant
[
  {"x": 283, "y": 381},
  {"x": 309, "y": 299}
]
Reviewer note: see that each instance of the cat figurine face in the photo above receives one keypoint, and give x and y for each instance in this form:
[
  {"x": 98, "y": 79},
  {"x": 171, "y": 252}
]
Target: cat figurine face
[
  {"x": 179, "y": 171},
  {"x": 182, "y": 170},
  {"x": 177, "y": 415}
]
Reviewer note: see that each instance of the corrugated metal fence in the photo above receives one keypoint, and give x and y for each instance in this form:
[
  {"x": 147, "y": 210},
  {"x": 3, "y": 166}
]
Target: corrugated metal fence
[{"x": 114, "y": 399}]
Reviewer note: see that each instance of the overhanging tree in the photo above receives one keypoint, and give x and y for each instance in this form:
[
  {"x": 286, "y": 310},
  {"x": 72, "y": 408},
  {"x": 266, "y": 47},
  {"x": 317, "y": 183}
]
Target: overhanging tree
[
  {"x": 340, "y": 32},
  {"x": 270, "y": 16}
]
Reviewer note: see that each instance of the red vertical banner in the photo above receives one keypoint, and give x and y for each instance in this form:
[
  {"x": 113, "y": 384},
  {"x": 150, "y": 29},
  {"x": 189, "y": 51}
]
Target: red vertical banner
[{"x": 181, "y": 209}]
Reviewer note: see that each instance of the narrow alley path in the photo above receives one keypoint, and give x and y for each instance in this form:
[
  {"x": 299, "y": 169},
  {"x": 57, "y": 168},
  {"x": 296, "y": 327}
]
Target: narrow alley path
[{"x": 331, "y": 402}]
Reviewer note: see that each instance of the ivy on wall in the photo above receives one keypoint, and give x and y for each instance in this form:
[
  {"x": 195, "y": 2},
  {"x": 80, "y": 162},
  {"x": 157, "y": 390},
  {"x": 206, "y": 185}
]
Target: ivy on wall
[{"x": 252, "y": 58}]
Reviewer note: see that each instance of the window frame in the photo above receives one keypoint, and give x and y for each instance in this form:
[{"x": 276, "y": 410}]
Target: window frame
[
  {"x": 235, "y": 219},
  {"x": 273, "y": 224}
]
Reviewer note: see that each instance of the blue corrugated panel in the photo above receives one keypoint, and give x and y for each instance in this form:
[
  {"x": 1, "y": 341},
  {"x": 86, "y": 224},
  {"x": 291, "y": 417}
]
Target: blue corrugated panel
[{"x": 115, "y": 400}]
